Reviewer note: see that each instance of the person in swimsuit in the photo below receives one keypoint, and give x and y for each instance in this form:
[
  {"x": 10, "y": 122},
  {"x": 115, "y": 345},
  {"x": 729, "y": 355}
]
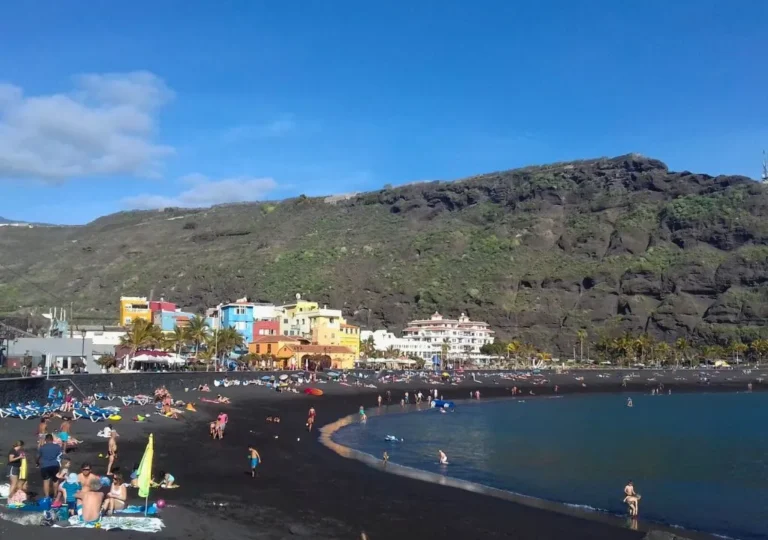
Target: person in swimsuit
[
  {"x": 116, "y": 497},
  {"x": 443, "y": 457},
  {"x": 631, "y": 499},
  {"x": 42, "y": 431},
  {"x": 255, "y": 459},
  {"x": 111, "y": 450},
  {"x": 92, "y": 499},
  {"x": 15, "y": 457}
]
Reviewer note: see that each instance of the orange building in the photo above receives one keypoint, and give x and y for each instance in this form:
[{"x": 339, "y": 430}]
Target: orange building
[{"x": 328, "y": 356}]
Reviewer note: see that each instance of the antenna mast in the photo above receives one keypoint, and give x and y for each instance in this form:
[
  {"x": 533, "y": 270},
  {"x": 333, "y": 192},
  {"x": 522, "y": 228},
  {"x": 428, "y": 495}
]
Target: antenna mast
[{"x": 765, "y": 169}]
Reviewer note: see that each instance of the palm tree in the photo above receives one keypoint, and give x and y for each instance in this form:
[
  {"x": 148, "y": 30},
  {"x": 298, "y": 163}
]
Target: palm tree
[
  {"x": 444, "y": 348},
  {"x": 197, "y": 331},
  {"x": 369, "y": 347},
  {"x": 760, "y": 348},
  {"x": 662, "y": 350},
  {"x": 681, "y": 345},
  {"x": 227, "y": 340},
  {"x": 205, "y": 356},
  {"x": 178, "y": 339},
  {"x": 737, "y": 348},
  {"x": 140, "y": 334},
  {"x": 392, "y": 352},
  {"x": 582, "y": 335}
]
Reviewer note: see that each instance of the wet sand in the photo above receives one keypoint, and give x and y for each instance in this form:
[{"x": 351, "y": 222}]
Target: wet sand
[{"x": 305, "y": 489}]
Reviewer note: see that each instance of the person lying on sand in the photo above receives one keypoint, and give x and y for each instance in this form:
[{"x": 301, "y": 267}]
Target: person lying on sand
[{"x": 222, "y": 399}]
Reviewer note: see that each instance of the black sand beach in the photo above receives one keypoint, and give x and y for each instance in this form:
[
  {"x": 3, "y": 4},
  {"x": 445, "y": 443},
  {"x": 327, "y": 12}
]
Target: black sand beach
[{"x": 305, "y": 489}]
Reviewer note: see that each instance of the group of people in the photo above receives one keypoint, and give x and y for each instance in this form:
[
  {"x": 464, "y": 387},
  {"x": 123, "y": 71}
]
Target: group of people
[
  {"x": 218, "y": 426},
  {"x": 84, "y": 492}
]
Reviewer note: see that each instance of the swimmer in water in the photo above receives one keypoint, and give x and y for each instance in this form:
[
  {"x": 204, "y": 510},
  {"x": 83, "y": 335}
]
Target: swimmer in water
[
  {"x": 363, "y": 417},
  {"x": 443, "y": 458},
  {"x": 629, "y": 402}
]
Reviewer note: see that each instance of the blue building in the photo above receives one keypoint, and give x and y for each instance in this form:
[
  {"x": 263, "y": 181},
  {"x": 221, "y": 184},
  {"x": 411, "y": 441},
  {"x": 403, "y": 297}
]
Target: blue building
[
  {"x": 168, "y": 320},
  {"x": 240, "y": 317}
]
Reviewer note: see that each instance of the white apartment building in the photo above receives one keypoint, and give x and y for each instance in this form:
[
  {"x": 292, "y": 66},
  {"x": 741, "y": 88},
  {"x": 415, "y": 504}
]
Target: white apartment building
[
  {"x": 383, "y": 340},
  {"x": 462, "y": 336}
]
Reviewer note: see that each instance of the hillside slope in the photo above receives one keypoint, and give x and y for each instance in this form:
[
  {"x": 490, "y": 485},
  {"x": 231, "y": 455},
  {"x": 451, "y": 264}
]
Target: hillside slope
[{"x": 611, "y": 245}]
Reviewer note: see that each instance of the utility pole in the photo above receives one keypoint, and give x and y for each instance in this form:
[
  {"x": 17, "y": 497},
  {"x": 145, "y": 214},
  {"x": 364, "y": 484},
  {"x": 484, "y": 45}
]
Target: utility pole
[{"x": 765, "y": 169}]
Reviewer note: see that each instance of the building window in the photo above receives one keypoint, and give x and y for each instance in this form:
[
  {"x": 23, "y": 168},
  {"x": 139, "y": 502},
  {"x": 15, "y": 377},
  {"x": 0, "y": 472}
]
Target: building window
[
  {"x": 269, "y": 348},
  {"x": 285, "y": 321},
  {"x": 285, "y": 332},
  {"x": 240, "y": 311}
]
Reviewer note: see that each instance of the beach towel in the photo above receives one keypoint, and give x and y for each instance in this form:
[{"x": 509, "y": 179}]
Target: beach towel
[{"x": 138, "y": 524}]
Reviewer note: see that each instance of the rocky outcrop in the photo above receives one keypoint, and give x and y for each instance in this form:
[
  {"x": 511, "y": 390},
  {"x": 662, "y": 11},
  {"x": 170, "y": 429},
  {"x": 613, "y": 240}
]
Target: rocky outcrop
[{"x": 609, "y": 245}]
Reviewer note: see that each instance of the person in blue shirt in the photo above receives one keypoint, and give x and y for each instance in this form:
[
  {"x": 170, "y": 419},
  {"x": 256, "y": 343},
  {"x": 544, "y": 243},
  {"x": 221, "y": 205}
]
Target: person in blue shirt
[
  {"x": 67, "y": 492},
  {"x": 48, "y": 457}
]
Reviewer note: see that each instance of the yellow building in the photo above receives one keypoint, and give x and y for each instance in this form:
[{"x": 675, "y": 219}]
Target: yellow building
[
  {"x": 134, "y": 307},
  {"x": 350, "y": 337}
]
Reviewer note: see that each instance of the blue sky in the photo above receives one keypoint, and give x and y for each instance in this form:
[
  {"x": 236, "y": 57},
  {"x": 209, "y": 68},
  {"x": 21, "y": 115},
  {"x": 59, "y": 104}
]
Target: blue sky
[{"x": 107, "y": 106}]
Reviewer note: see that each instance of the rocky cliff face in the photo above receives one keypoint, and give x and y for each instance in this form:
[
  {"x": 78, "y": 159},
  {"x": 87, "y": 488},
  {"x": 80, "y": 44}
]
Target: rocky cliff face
[{"x": 610, "y": 245}]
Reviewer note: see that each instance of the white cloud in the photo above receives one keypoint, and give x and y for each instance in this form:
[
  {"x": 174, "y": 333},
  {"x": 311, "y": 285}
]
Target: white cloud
[
  {"x": 104, "y": 126},
  {"x": 204, "y": 192}
]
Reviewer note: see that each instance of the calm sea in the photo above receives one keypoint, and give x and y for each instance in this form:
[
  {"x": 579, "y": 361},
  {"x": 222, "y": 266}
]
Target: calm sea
[{"x": 700, "y": 461}]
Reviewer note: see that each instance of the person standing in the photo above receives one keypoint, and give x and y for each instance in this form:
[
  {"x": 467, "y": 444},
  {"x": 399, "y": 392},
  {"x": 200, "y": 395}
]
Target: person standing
[
  {"x": 111, "y": 451},
  {"x": 48, "y": 460},
  {"x": 15, "y": 458},
  {"x": 255, "y": 459},
  {"x": 632, "y": 499}
]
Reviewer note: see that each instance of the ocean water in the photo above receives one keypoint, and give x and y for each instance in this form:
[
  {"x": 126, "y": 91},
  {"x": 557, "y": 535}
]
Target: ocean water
[{"x": 700, "y": 461}]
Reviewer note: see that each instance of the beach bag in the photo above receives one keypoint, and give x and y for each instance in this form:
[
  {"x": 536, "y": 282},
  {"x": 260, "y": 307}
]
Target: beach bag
[{"x": 5, "y": 489}]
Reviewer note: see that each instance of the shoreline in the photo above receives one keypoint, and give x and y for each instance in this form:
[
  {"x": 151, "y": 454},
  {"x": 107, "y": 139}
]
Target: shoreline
[
  {"x": 303, "y": 486},
  {"x": 575, "y": 510}
]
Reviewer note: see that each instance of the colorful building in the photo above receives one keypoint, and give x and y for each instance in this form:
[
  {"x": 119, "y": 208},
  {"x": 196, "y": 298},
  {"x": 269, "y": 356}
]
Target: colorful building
[
  {"x": 132, "y": 308},
  {"x": 266, "y": 328},
  {"x": 462, "y": 338},
  {"x": 241, "y": 315},
  {"x": 168, "y": 320},
  {"x": 350, "y": 337},
  {"x": 325, "y": 356},
  {"x": 272, "y": 344}
]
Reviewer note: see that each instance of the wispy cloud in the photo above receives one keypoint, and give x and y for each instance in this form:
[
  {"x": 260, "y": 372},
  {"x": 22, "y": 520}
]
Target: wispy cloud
[
  {"x": 204, "y": 192},
  {"x": 104, "y": 126}
]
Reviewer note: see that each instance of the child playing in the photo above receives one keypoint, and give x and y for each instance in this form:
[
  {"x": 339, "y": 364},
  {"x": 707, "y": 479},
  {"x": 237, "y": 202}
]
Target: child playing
[
  {"x": 165, "y": 480},
  {"x": 67, "y": 492},
  {"x": 255, "y": 458}
]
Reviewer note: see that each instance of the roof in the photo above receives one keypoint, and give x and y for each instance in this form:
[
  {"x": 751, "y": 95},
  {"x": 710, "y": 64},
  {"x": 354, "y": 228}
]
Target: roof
[
  {"x": 277, "y": 339},
  {"x": 321, "y": 349},
  {"x": 349, "y": 326}
]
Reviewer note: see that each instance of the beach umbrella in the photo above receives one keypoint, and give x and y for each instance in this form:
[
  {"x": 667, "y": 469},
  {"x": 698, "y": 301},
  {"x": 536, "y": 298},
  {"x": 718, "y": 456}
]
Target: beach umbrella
[
  {"x": 145, "y": 472},
  {"x": 283, "y": 377},
  {"x": 265, "y": 378}
]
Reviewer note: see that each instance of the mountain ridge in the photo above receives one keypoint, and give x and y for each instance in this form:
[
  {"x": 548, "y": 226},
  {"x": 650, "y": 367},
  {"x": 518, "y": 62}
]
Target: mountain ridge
[{"x": 612, "y": 245}]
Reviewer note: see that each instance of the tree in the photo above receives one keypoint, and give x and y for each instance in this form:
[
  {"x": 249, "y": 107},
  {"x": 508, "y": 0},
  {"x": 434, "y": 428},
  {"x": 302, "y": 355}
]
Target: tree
[
  {"x": 513, "y": 348},
  {"x": 107, "y": 361},
  {"x": 662, "y": 351},
  {"x": 392, "y": 352},
  {"x": 582, "y": 335},
  {"x": 760, "y": 348},
  {"x": 444, "y": 348},
  {"x": 206, "y": 357},
  {"x": 226, "y": 341},
  {"x": 682, "y": 347},
  {"x": 369, "y": 347},
  {"x": 178, "y": 339},
  {"x": 141, "y": 334},
  {"x": 197, "y": 331},
  {"x": 737, "y": 349}
]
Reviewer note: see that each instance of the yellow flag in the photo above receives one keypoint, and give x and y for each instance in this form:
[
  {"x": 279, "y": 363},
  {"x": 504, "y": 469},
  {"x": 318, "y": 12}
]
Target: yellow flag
[{"x": 145, "y": 469}]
